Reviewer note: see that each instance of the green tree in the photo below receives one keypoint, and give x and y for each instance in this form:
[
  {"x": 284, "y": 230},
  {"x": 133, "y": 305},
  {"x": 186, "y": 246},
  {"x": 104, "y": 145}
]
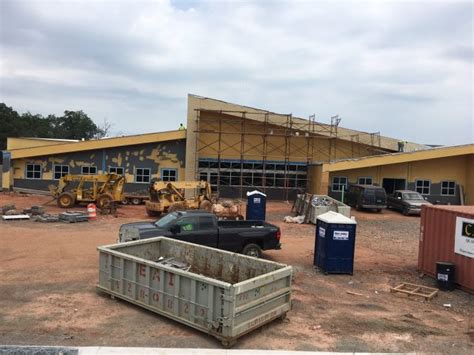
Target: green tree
[
  {"x": 72, "y": 125},
  {"x": 75, "y": 125},
  {"x": 9, "y": 120}
]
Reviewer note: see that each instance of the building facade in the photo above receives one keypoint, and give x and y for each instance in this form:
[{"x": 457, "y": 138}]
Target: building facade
[
  {"x": 139, "y": 158},
  {"x": 443, "y": 175}
]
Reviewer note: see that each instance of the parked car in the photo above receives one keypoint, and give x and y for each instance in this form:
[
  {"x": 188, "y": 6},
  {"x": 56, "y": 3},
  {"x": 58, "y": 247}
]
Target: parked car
[
  {"x": 366, "y": 196},
  {"x": 406, "y": 201},
  {"x": 201, "y": 227}
]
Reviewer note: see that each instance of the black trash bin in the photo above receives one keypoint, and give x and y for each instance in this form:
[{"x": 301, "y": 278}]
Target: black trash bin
[
  {"x": 256, "y": 205},
  {"x": 445, "y": 275}
]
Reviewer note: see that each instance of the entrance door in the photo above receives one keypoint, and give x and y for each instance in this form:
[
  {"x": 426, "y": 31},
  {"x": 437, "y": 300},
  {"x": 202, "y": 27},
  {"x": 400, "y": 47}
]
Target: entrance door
[{"x": 391, "y": 185}]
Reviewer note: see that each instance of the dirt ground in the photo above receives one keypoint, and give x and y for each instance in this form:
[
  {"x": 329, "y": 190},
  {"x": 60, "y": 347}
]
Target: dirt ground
[{"x": 49, "y": 272}]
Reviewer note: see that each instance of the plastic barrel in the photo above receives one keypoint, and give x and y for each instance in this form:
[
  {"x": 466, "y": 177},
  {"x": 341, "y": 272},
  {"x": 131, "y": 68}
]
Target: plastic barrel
[{"x": 445, "y": 273}]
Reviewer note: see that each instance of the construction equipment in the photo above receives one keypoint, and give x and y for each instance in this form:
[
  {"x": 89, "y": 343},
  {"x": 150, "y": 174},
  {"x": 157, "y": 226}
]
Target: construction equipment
[
  {"x": 103, "y": 190},
  {"x": 167, "y": 196}
]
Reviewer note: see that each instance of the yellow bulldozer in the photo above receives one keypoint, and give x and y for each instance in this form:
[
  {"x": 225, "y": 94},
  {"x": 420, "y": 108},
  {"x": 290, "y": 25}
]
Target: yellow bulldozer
[
  {"x": 166, "y": 196},
  {"x": 102, "y": 190}
]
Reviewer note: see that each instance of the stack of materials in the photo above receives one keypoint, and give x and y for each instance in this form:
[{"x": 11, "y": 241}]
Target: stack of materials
[{"x": 311, "y": 206}]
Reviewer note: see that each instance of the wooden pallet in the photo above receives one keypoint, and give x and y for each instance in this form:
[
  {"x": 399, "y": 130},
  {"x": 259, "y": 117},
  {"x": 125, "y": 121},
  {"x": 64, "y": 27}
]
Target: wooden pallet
[{"x": 416, "y": 290}]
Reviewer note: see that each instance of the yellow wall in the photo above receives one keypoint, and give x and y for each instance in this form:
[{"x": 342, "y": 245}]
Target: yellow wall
[
  {"x": 458, "y": 168},
  {"x": 436, "y": 170},
  {"x": 300, "y": 147},
  {"x": 20, "y": 143}
]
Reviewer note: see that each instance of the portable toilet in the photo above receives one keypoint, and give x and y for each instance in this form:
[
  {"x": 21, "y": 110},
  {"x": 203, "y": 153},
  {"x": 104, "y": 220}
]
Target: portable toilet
[
  {"x": 256, "y": 205},
  {"x": 335, "y": 243}
]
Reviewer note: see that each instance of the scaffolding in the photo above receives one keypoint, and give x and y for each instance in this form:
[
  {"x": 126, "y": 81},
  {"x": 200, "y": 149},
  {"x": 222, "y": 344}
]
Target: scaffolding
[{"x": 215, "y": 137}]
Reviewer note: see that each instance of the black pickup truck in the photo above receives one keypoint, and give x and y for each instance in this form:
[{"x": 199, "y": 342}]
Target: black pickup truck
[{"x": 200, "y": 227}]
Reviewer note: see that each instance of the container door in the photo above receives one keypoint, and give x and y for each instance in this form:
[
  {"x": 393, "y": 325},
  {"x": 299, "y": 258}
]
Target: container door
[{"x": 340, "y": 249}]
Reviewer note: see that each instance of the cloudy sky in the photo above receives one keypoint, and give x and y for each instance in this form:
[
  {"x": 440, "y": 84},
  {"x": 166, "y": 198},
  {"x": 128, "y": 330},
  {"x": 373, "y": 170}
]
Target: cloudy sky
[{"x": 402, "y": 68}]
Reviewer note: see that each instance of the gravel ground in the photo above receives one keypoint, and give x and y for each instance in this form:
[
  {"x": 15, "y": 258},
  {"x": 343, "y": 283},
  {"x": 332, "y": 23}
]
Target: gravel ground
[{"x": 49, "y": 272}]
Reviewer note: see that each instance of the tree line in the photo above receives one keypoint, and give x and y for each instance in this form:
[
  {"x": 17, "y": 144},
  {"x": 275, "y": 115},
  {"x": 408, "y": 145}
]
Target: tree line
[{"x": 71, "y": 125}]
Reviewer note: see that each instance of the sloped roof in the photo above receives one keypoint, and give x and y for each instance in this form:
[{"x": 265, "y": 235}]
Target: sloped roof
[
  {"x": 97, "y": 144},
  {"x": 396, "y": 158}
]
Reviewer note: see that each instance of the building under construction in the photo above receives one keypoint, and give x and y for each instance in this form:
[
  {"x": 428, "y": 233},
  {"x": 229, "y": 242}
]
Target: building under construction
[{"x": 237, "y": 148}]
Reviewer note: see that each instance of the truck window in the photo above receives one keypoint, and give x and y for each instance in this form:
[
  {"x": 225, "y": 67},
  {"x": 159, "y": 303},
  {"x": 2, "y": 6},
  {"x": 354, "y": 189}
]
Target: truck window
[
  {"x": 206, "y": 222},
  {"x": 188, "y": 224}
]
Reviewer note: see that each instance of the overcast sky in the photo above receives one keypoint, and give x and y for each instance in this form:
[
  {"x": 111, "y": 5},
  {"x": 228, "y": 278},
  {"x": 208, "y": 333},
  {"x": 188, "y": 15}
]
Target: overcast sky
[{"x": 402, "y": 68}]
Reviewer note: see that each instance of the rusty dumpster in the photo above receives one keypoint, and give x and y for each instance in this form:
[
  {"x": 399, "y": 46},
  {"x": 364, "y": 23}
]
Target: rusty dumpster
[{"x": 220, "y": 293}]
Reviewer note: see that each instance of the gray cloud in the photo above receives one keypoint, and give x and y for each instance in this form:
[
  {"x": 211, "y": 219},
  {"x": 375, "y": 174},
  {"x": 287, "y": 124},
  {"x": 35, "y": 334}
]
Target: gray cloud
[{"x": 381, "y": 67}]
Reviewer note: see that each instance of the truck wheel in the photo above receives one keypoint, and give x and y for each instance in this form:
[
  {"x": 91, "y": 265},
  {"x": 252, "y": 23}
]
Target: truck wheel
[
  {"x": 252, "y": 250},
  {"x": 136, "y": 201},
  {"x": 104, "y": 201},
  {"x": 405, "y": 211},
  {"x": 66, "y": 200},
  {"x": 124, "y": 201}
]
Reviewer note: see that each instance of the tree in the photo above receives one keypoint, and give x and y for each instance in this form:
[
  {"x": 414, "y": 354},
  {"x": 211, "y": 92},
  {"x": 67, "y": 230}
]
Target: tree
[
  {"x": 104, "y": 129},
  {"x": 72, "y": 125},
  {"x": 75, "y": 125},
  {"x": 9, "y": 120}
]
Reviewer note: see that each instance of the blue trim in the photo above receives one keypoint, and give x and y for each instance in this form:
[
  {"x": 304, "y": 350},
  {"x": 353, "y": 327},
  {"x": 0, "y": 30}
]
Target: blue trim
[{"x": 104, "y": 167}]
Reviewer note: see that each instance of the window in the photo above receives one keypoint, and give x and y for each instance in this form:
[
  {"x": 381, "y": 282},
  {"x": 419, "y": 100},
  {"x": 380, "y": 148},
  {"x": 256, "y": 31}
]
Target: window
[
  {"x": 60, "y": 171},
  {"x": 33, "y": 171},
  {"x": 448, "y": 188},
  {"x": 169, "y": 174},
  {"x": 423, "y": 186},
  {"x": 366, "y": 180},
  {"x": 142, "y": 175},
  {"x": 116, "y": 170},
  {"x": 188, "y": 224},
  {"x": 206, "y": 223},
  {"x": 89, "y": 170},
  {"x": 339, "y": 183}
]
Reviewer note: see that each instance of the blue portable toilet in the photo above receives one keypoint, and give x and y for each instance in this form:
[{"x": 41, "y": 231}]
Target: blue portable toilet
[
  {"x": 256, "y": 205},
  {"x": 335, "y": 243}
]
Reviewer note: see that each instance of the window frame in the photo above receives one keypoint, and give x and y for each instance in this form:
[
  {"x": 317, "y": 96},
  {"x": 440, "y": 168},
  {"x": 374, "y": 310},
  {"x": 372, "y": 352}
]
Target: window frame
[
  {"x": 448, "y": 188},
  {"x": 346, "y": 187},
  {"x": 117, "y": 167},
  {"x": 34, "y": 165},
  {"x": 423, "y": 187},
  {"x": 61, "y": 172},
  {"x": 162, "y": 170},
  {"x": 142, "y": 175},
  {"x": 365, "y": 180},
  {"x": 89, "y": 167}
]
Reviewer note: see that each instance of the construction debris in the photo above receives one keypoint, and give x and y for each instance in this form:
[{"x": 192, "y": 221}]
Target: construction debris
[
  {"x": 15, "y": 217},
  {"x": 11, "y": 213},
  {"x": 46, "y": 218},
  {"x": 311, "y": 206},
  {"x": 297, "y": 219},
  {"x": 34, "y": 210},
  {"x": 416, "y": 290},
  {"x": 7, "y": 208},
  {"x": 73, "y": 217}
]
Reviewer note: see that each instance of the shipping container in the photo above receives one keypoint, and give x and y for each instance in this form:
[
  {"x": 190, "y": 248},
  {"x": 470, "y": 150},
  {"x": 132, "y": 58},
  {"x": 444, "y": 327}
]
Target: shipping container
[
  {"x": 447, "y": 235},
  {"x": 223, "y": 294}
]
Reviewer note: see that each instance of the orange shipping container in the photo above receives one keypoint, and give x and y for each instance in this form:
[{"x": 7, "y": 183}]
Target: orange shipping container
[{"x": 447, "y": 234}]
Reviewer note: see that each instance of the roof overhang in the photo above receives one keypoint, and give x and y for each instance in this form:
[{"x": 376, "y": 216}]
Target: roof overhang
[
  {"x": 97, "y": 144},
  {"x": 397, "y": 158}
]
